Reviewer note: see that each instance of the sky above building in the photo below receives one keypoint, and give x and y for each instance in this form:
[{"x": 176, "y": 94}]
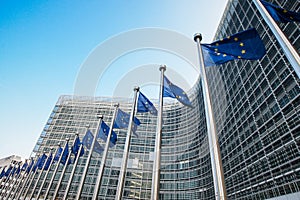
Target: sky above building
[{"x": 101, "y": 48}]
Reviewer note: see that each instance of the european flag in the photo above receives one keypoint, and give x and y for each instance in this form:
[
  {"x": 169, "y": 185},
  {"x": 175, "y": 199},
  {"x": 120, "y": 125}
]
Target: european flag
[
  {"x": 30, "y": 166},
  {"x": 145, "y": 105},
  {"x": 76, "y": 146},
  {"x": 103, "y": 133},
  {"x": 58, "y": 153},
  {"x": 42, "y": 161},
  {"x": 2, "y": 172},
  {"x": 88, "y": 140},
  {"x": 7, "y": 173},
  {"x": 24, "y": 166},
  {"x": 65, "y": 155},
  {"x": 122, "y": 120},
  {"x": 39, "y": 164},
  {"x": 243, "y": 45},
  {"x": 173, "y": 91},
  {"x": 18, "y": 169},
  {"x": 280, "y": 14},
  {"x": 48, "y": 162},
  {"x": 13, "y": 170}
]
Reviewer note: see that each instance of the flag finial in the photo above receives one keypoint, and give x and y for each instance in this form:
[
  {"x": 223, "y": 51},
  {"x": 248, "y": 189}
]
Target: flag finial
[
  {"x": 136, "y": 88},
  {"x": 197, "y": 37},
  {"x": 162, "y": 67}
]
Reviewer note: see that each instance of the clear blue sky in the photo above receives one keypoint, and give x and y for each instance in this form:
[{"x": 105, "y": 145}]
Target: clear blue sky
[{"x": 44, "y": 44}]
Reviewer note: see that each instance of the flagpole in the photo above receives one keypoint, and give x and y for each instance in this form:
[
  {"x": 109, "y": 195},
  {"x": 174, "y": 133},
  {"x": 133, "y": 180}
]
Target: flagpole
[
  {"x": 216, "y": 162},
  {"x": 100, "y": 175},
  {"x": 55, "y": 170},
  {"x": 31, "y": 179},
  {"x": 63, "y": 171},
  {"x": 46, "y": 174},
  {"x": 27, "y": 177},
  {"x": 20, "y": 181},
  {"x": 126, "y": 148},
  {"x": 14, "y": 181},
  {"x": 7, "y": 180},
  {"x": 157, "y": 154},
  {"x": 74, "y": 169},
  {"x": 88, "y": 159},
  {"x": 41, "y": 172},
  {"x": 287, "y": 47}
]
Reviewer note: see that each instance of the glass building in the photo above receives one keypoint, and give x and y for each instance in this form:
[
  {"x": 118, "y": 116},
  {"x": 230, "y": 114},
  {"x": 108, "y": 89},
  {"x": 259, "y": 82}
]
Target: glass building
[{"x": 257, "y": 110}]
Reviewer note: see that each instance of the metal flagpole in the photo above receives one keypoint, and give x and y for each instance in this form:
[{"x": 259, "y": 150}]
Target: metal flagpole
[
  {"x": 19, "y": 181},
  {"x": 14, "y": 181},
  {"x": 7, "y": 180},
  {"x": 99, "y": 178},
  {"x": 126, "y": 148},
  {"x": 31, "y": 179},
  {"x": 74, "y": 169},
  {"x": 88, "y": 159},
  {"x": 27, "y": 177},
  {"x": 156, "y": 163},
  {"x": 46, "y": 174},
  {"x": 216, "y": 162},
  {"x": 55, "y": 170},
  {"x": 63, "y": 171},
  {"x": 41, "y": 172},
  {"x": 287, "y": 48}
]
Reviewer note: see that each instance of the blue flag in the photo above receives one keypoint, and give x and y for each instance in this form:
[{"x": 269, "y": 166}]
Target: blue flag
[
  {"x": 122, "y": 120},
  {"x": 103, "y": 133},
  {"x": 48, "y": 162},
  {"x": 76, "y": 146},
  {"x": 58, "y": 153},
  {"x": 7, "y": 173},
  {"x": 65, "y": 154},
  {"x": 243, "y": 45},
  {"x": 40, "y": 163},
  {"x": 280, "y": 14},
  {"x": 173, "y": 91},
  {"x": 145, "y": 105},
  {"x": 30, "y": 166},
  {"x": 2, "y": 172},
  {"x": 88, "y": 140},
  {"x": 24, "y": 166},
  {"x": 13, "y": 170}
]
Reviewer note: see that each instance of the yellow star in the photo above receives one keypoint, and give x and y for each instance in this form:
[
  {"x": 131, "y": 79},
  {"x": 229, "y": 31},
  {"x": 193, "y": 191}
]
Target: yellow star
[
  {"x": 243, "y": 51},
  {"x": 218, "y": 54},
  {"x": 228, "y": 37},
  {"x": 239, "y": 57},
  {"x": 217, "y": 44},
  {"x": 236, "y": 39},
  {"x": 224, "y": 55},
  {"x": 241, "y": 44},
  {"x": 285, "y": 11},
  {"x": 216, "y": 50}
]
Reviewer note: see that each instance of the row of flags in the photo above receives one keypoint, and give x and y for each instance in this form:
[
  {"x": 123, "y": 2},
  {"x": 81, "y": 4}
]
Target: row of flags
[
  {"x": 62, "y": 155},
  {"x": 243, "y": 45}
]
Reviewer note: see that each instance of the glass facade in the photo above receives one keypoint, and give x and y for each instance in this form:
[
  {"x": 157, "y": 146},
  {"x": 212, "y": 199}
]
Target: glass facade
[
  {"x": 257, "y": 110},
  {"x": 256, "y": 105}
]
